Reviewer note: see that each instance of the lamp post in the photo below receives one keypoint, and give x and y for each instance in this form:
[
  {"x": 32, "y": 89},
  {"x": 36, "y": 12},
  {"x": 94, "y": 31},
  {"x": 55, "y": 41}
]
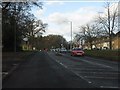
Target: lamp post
[
  {"x": 71, "y": 34},
  {"x": 26, "y": 42},
  {"x": 71, "y": 25}
]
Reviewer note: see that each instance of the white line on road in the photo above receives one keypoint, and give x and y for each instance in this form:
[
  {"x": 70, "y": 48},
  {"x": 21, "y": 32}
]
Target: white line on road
[
  {"x": 99, "y": 77},
  {"x": 87, "y": 78},
  {"x": 108, "y": 87},
  {"x": 94, "y": 63},
  {"x": 71, "y": 70},
  {"x": 101, "y": 73}
]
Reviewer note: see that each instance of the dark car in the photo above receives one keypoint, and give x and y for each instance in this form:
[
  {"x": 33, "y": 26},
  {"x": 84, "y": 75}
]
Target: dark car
[{"x": 77, "y": 52}]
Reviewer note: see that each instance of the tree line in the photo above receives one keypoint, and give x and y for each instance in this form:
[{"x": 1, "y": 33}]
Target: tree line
[{"x": 50, "y": 42}]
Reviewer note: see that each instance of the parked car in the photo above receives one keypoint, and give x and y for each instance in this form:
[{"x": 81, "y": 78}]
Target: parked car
[{"x": 77, "y": 52}]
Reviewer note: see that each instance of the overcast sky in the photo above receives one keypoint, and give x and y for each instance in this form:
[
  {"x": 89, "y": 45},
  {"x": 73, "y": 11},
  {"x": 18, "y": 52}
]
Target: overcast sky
[{"x": 58, "y": 14}]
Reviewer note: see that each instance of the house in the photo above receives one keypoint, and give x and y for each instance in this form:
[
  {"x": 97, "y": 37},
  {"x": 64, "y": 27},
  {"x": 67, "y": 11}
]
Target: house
[
  {"x": 116, "y": 41},
  {"x": 103, "y": 42}
]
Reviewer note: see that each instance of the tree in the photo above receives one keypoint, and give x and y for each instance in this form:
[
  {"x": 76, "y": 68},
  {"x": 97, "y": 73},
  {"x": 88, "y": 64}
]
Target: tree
[
  {"x": 15, "y": 21},
  {"x": 88, "y": 33},
  {"x": 37, "y": 30},
  {"x": 109, "y": 21},
  {"x": 50, "y": 41}
]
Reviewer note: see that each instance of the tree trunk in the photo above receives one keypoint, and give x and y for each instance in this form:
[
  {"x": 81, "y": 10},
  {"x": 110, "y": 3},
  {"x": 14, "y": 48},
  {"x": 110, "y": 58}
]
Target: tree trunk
[{"x": 110, "y": 41}]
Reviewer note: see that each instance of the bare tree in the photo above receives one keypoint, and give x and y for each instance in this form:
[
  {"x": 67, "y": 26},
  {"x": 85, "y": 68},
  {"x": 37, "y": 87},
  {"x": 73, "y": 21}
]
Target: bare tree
[
  {"x": 108, "y": 22},
  {"x": 88, "y": 32}
]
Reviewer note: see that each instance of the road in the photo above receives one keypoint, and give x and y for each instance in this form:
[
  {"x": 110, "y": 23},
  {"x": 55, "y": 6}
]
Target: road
[{"x": 47, "y": 70}]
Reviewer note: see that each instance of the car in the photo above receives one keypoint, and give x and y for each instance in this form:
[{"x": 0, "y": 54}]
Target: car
[
  {"x": 77, "y": 52},
  {"x": 63, "y": 50}
]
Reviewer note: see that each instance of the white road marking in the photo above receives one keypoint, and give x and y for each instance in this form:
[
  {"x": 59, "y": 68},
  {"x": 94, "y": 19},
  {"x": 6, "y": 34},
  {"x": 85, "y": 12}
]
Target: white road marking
[
  {"x": 81, "y": 77},
  {"x": 88, "y": 78},
  {"x": 102, "y": 73},
  {"x": 108, "y": 87},
  {"x": 99, "y": 77},
  {"x": 71, "y": 70},
  {"x": 5, "y": 73},
  {"x": 94, "y": 63}
]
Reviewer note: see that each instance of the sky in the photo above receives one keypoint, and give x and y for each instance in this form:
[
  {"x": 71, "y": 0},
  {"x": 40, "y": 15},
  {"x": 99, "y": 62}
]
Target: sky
[{"x": 59, "y": 14}]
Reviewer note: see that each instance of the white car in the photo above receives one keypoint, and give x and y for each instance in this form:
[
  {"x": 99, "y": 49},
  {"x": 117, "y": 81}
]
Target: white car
[{"x": 63, "y": 50}]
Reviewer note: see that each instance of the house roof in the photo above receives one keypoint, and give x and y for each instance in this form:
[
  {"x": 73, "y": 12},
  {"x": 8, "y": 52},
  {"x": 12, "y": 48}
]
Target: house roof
[{"x": 118, "y": 34}]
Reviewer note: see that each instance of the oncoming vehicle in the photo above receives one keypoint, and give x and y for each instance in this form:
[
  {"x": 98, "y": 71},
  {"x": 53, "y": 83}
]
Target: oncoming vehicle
[
  {"x": 63, "y": 50},
  {"x": 77, "y": 52}
]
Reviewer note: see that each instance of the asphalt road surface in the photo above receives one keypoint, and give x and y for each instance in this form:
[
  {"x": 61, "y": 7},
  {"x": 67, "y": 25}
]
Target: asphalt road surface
[
  {"x": 47, "y": 70},
  {"x": 41, "y": 71},
  {"x": 98, "y": 72}
]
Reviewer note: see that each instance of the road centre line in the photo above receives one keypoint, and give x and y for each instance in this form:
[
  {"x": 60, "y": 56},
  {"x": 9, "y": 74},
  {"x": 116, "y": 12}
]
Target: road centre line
[{"x": 59, "y": 62}]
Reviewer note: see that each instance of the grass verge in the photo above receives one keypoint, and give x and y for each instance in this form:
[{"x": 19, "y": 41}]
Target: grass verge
[
  {"x": 11, "y": 59},
  {"x": 106, "y": 54}
]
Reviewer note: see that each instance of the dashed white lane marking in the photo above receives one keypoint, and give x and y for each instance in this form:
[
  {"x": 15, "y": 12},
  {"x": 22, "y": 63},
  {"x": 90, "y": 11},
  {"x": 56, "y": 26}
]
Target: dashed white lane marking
[
  {"x": 5, "y": 73},
  {"x": 81, "y": 77},
  {"x": 63, "y": 65},
  {"x": 73, "y": 71}
]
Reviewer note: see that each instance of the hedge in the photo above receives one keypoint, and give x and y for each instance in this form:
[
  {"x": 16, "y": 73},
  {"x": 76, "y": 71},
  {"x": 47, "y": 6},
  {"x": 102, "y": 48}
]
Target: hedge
[{"x": 106, "y": 54}]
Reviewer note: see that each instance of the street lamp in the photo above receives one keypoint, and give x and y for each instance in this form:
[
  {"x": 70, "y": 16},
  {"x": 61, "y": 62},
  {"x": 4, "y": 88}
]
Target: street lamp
[
  {"x": 71, "y": 34},
  {"x": 26, "y": 42},
  {"x": 71, "y": 25}
]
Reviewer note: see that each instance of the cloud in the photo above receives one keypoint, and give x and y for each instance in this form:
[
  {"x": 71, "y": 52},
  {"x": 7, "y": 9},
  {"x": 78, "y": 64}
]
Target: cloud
[
  {"x": 57, "y": 18},
  {"x": 54, "y": 2},
  {"x": 84, "y": 14},
  {"x": 78, "y": 18},
  {"x": 40, "y": 12},
  {"x": 56, "y": 24}
]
